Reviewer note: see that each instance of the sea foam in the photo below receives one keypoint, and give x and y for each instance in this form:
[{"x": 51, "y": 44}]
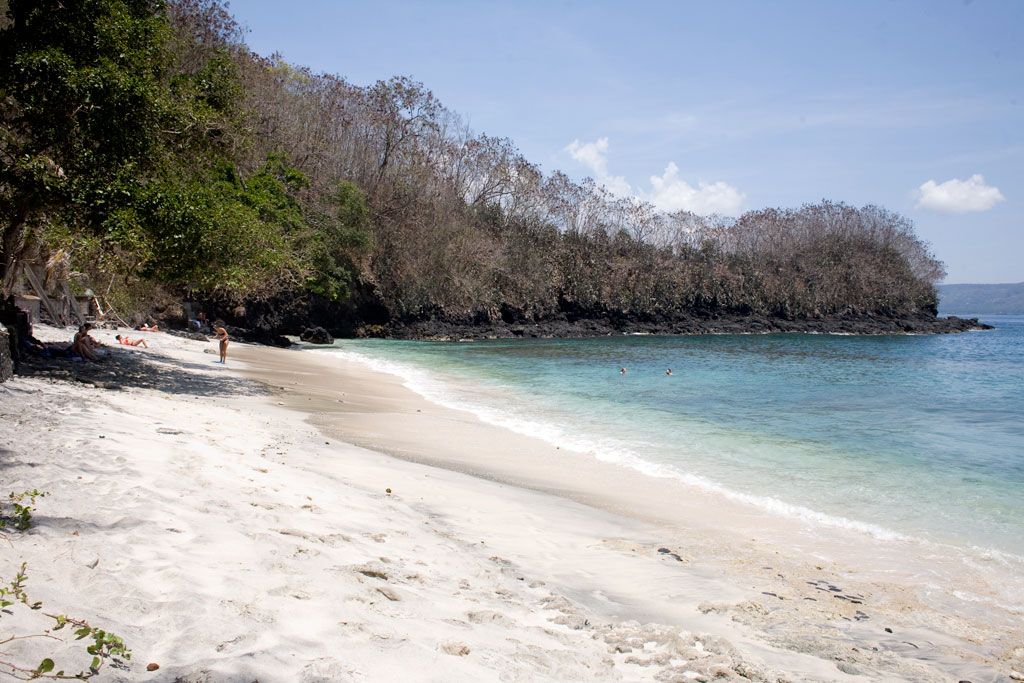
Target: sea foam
[{"x": 446, "y": 392}]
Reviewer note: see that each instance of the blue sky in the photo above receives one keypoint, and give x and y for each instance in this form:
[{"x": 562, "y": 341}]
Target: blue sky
[{"x": 721, "y": 106}]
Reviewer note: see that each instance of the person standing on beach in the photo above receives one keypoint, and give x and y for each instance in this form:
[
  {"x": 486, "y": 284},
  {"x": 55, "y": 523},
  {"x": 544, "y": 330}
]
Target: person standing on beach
[{"x": 222, "y": 337}]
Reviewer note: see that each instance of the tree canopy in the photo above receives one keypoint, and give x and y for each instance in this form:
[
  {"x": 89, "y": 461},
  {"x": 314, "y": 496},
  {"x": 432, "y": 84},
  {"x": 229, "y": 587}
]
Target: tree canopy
[{"x": 142, "y": 141}]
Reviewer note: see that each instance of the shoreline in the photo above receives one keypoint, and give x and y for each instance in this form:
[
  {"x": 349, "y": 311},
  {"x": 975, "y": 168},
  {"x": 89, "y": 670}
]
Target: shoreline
[
  {"x": 482, "y": 574},
  {"x": 576, "y": 445},
  {"x": 411, "y": 427}
]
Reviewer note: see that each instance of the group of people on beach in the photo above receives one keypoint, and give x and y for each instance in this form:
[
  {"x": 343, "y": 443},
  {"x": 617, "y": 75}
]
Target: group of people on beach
[
  {"x": 17, "y": 322},
  {"x": 88, "y": 348},
  {"x": 85, "y": 346}
]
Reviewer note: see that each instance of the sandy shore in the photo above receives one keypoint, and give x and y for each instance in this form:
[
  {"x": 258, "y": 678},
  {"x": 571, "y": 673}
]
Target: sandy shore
[{"x": 233, "y": 523}]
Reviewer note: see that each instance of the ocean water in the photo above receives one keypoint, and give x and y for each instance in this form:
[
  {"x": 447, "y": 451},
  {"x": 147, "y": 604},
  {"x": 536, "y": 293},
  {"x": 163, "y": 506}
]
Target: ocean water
[{"x": 906, "y": 436}]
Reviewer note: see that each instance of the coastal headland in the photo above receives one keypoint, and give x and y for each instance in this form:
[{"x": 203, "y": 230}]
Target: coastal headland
[
  {"x": 719, "y": 323},
  {"x": 285, "y": 517},
  {"x": 267, "y": 321}
]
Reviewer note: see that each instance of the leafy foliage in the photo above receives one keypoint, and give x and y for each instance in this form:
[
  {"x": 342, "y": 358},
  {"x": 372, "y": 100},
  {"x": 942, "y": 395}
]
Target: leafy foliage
[
  {"x": 22, "y": 517},
  {"x": 80, "y": 108},
  {"x": 147, "y": 141},
  {"x": 101, "y": 645},
  {"x": 341, "y": 236}
]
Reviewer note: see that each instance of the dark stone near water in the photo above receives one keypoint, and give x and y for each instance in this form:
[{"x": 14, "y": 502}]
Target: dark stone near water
[
  {"x": 317, "y": 335},
  {"x": 186, "y": 334},
  {"x": 444, "y": 328},
  {"x": 269, "y": 337},
  {"x": 366, "y": 314},
  {"x": 259, "y": 335}
]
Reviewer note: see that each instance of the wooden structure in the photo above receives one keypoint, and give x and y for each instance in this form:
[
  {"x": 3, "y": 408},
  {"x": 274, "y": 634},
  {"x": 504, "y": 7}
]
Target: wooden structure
[{"x": 62, "y": 312}]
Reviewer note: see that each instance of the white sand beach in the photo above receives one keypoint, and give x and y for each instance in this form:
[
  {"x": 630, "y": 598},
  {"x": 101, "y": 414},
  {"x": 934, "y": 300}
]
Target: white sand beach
[{"x": 283, "y": 518}]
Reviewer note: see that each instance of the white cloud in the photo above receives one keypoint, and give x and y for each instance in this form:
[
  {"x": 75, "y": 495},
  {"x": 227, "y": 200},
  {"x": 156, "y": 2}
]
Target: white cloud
[
  {"x": 590, "y": 154},
  {"x": 593, "y": 155},
  {"x": 668, "y": 192},
  {"x": 958, "y": 196}
]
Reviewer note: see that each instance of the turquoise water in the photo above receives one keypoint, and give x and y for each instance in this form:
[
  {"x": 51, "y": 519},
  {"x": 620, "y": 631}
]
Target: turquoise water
[{"x": 916, "y": 436}]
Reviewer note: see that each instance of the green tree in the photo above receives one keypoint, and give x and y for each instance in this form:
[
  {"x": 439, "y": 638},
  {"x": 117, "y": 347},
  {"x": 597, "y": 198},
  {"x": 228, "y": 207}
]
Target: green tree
[
  {"x": 203, "y": 230},
  {"x": 80, "y": 111},
  {"x": 117, "y": 138},
  {"x": 339, "y": 239}
]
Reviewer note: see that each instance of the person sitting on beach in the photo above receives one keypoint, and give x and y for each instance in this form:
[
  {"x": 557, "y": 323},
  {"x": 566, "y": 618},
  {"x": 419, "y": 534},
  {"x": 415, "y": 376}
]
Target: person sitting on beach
[
  {"x": 199, "y": 323},
  {"x": 84, "y": 346},
  {"x": 128, "y": 342},
  {"x": 222, "y": 336}
]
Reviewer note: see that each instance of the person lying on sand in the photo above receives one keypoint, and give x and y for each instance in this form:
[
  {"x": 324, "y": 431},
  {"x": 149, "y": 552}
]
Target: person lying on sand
[
  {"x": 128, "y": 342},
  {"x": 148, "y": 328},
  {"x": 57, "y": 350}
]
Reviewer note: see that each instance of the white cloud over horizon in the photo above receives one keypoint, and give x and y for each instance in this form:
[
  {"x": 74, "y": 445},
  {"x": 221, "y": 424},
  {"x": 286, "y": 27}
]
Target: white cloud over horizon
[
  {"x": 958, "y": 196},
  {"x": 668, "y": 192},
  {"x": 593, "y": 155}
]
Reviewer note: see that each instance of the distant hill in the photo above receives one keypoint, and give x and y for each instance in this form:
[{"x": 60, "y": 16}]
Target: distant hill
[{"x": 982, "y": 299}]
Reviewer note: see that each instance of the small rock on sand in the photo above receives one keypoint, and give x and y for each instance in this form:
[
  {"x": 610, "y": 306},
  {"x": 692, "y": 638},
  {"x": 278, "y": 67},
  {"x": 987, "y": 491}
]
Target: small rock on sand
[{"x": 389, "y": 593}]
